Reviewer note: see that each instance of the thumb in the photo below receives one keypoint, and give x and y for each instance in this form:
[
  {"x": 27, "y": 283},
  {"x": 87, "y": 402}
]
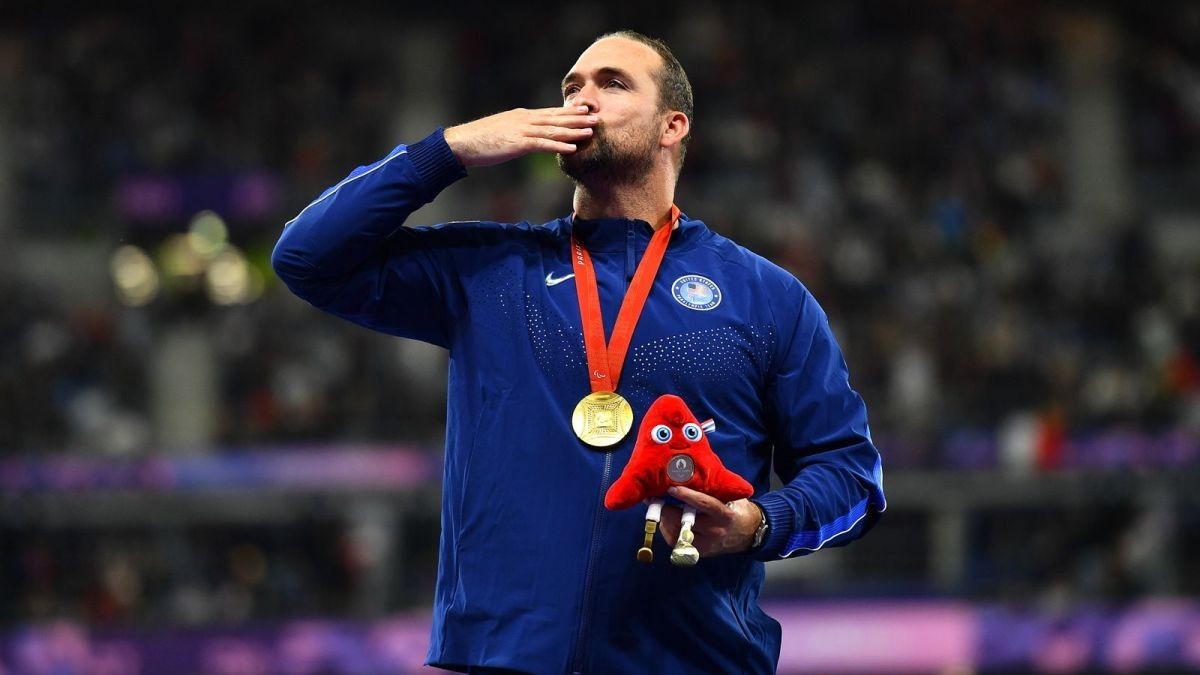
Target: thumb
[{"x": 668, "y": 524}]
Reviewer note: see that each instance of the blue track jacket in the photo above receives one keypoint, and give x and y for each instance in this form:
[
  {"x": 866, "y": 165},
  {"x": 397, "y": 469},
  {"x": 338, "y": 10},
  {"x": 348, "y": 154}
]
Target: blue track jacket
[{"x": 535, "y": 574}]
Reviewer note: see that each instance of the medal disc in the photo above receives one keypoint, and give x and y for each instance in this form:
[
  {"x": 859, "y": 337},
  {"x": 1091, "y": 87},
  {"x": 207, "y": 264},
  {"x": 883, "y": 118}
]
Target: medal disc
[
  {"x": 602, "y": 418},
  {"x": 680, "y": 468}
]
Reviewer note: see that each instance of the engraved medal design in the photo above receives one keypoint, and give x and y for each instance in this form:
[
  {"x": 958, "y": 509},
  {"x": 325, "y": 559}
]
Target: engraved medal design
[
  {"x": 602, "y": 419},
  {"x": 680, "y": 468}
]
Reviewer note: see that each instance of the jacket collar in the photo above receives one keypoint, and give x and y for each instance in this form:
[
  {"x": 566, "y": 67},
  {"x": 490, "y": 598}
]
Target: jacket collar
[{"x": 609, "y": 235}]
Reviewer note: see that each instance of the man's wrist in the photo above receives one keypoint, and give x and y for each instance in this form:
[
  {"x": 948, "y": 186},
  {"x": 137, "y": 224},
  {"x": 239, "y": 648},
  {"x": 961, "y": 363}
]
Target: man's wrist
[
  {"x": 435, "y": 163},
  {"x": 762, "y": 529},
  {"x": 781, "y": 516}
]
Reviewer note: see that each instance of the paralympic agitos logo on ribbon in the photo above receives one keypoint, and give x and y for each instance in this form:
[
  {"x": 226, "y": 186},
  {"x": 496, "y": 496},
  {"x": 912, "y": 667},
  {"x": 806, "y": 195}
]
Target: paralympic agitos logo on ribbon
[{"x": 696, "y": 292}]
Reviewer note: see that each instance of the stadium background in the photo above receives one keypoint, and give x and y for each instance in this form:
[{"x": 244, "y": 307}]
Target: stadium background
[{"x": 997, "y": 204}]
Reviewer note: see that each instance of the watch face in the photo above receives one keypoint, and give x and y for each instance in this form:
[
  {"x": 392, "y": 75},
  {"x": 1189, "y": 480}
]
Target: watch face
[{"x": 761, "y": 533}]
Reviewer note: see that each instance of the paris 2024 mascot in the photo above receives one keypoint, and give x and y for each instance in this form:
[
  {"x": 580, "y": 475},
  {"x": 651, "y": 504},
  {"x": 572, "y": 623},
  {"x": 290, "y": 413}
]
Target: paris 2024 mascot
[{"x": 672, "y": 449}]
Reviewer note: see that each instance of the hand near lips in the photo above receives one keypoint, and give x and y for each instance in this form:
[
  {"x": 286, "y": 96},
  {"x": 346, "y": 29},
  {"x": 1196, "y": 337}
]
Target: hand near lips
[
  {"x": 720, "y": 528},
  {"x": 515, "y": 133}
]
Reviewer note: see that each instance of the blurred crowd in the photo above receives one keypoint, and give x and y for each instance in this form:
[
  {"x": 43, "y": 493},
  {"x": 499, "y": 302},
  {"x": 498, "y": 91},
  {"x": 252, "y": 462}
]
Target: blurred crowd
[
  {"x": 83, "y": 110},
  {"x": 906, "y": 163},
  {"x": 199, "y": 576},
  {"x": 909, "y": 164},
  {"x": 206, "y": 574}
]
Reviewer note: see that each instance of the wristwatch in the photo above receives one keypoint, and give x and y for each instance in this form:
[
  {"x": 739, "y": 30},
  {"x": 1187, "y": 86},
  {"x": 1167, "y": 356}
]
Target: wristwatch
[{"x": 760, "y": 535}]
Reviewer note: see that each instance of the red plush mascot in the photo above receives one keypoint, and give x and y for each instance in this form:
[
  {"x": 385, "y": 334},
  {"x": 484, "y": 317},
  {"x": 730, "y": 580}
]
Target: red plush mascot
[{"x": 672, "y": 449}]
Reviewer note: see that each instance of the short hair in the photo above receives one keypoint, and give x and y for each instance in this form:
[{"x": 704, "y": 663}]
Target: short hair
[{"x": 674, "y": 89}]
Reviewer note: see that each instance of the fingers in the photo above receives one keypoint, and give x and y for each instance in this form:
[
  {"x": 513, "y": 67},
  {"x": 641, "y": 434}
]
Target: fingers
[
  {"x": 573, "y": 121},
  {"x": 668, "y": 525},
  {"x": 556, "y": 139},
  {"x": 564, "y": 117},
  {"x": 563, "y": 134},
  {"x": 701, "y": 502},
  {"x": 514, "y": 133},
  {"x": 562, "y": 126},
  {"x": 560, "y": 110},
  {"x": 710, "y": 536},
  {"x": 549, "y": 145}
]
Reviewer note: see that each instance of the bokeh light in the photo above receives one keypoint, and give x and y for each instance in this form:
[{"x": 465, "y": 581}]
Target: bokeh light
[
  {"x": 134, "y": 276},
  {"x": 207, "y": 234},
  {"x": 181, "y": 265},
  {"x": 230, "y": 279}
]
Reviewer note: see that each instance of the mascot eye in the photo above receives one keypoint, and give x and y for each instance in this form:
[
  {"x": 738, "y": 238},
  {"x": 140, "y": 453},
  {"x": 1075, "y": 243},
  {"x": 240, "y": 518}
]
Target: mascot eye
[
  {"x": 691, "y": 431},
  {"x": 661, "y": 433}
]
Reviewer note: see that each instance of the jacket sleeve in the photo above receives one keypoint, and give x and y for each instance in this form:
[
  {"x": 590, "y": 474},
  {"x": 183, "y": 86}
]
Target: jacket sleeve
[
  {"x": 348, "y": 253},
  {"x": 831, "y": 470}
]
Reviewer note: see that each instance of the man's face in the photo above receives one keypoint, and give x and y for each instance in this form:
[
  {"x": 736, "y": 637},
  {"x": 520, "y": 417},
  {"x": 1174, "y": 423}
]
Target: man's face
[{"x": 615, "y": 79}]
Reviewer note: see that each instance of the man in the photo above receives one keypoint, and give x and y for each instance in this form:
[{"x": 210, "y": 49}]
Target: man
[{"x": 535, "y": 574}]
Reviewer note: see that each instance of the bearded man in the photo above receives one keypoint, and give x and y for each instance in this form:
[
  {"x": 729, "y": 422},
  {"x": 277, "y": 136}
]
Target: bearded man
[{"x": 561, "y": 335}]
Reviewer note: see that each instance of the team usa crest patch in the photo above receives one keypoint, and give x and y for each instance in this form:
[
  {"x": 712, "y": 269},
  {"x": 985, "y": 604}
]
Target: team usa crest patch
[{"x": 696, "y": 292}]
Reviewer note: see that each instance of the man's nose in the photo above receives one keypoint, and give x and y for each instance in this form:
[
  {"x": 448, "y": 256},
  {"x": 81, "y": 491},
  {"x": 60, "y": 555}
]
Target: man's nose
[{"x": 586, "y": 96}]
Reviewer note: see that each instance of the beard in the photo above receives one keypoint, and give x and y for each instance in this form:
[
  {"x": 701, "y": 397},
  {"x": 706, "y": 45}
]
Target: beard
[{"x": 602, "y": 160}]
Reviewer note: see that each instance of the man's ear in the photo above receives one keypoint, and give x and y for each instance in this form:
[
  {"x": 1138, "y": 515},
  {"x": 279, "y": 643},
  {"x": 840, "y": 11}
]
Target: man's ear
[{"x": 677, "y": 128}]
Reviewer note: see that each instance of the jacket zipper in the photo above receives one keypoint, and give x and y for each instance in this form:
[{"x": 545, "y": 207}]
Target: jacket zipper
[
  {"x": 580, "y": 655},
  {"x": 597, "y": 525},
  {"x": 630, "y": 267}
]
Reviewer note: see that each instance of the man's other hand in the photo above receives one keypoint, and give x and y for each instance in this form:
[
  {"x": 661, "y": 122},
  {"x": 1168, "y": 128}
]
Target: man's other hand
[
  {"x": 720, "y": 528},
  {"x": 515, "y": 133}
]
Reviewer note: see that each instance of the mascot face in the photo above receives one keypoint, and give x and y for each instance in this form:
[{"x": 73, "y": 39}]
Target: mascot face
[
  {"x": 672, "y": 449},
  {"x": 676, "y": 429},
  {"x": 673, "y": 436}
]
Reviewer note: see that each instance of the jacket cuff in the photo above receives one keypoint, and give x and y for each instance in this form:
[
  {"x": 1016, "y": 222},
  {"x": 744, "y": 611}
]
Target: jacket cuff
[
  {"x": 780, "y": 518},
  {"x": 435, "y": 163}
]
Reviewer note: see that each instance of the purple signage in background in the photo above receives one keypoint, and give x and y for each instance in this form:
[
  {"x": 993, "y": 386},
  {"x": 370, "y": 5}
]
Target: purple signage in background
[
  {"x": 876, "y": 637},
  {"x": 342, "y": 466},
  {"x": 1157, "y": 634},
  {"x": 826, "y": 637},
  {"x": 395, "y": 646},
  {"x": 157, "y": 199}
]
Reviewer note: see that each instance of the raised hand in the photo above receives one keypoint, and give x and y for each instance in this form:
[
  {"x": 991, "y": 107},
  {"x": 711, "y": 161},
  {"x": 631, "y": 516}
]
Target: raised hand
[
  {"x": 720, "y": 528},
  {"x": 518, "y": 132}
]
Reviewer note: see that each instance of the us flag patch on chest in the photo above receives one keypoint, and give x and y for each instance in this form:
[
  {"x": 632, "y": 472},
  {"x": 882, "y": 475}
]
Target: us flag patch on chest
[{"x": 696, "y": 292}]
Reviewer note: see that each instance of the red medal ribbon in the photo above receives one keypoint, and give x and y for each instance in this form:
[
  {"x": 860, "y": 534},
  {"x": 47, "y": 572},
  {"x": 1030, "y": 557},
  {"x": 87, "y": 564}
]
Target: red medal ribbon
[{"x": 605, "y": 361}]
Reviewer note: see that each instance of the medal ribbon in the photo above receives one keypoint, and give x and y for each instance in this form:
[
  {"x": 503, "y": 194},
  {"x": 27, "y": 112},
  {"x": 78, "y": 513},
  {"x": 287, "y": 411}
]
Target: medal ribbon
[{"x": 605, "y": 361}]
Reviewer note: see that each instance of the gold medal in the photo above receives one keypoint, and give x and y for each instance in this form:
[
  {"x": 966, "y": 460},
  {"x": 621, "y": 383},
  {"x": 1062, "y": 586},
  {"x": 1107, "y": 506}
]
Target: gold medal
[{"x": 602, "y": 418}]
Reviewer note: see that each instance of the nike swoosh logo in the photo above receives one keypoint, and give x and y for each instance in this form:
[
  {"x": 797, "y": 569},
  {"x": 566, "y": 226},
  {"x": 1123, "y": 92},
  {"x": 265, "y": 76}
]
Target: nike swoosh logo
[{"x": 551, "y": 280}]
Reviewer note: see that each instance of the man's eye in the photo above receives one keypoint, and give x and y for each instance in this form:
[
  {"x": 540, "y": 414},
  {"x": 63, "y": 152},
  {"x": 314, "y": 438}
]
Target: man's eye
[
  {"x": 617, "y": 83},
  {"x": 567, "y": 91}
]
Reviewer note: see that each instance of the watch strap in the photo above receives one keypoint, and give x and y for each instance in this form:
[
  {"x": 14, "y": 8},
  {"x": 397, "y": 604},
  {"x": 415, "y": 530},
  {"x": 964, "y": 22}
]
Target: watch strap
[{"x": 764, "y": 527}]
